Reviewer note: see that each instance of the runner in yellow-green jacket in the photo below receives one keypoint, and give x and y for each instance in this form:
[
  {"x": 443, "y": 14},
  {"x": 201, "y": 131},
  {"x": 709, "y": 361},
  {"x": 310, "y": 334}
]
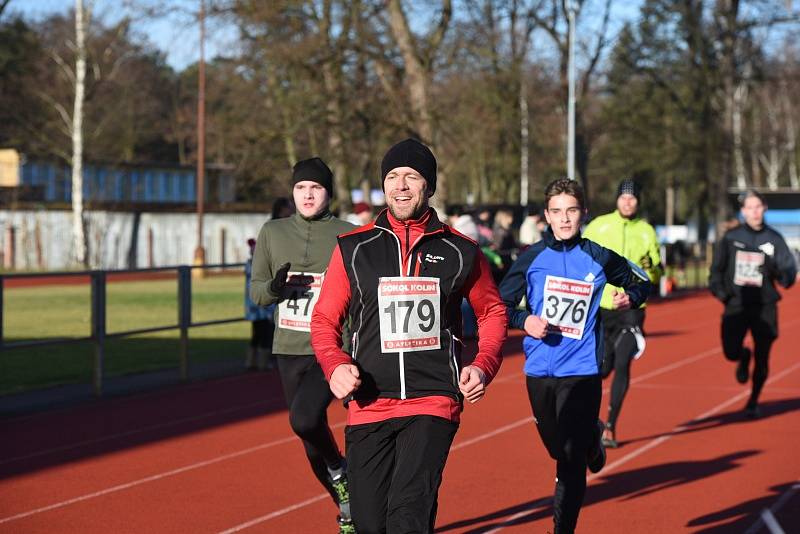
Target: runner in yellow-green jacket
[{"x": 635, "y": 239}]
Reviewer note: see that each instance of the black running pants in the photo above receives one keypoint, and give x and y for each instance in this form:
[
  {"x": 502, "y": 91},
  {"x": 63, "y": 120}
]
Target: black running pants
[
  {"x": 308, "y": 396},
  {"x": 619, "y": 348},
  {"x": 762, "y": 321},
  {"x": 566, "y": 410},
  {"x": 394, "y": 470}
]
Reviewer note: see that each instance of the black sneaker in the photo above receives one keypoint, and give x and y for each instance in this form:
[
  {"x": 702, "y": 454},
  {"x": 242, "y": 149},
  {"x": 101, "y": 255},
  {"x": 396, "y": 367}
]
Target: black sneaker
[
  {"x": 743, "y": 368},
  {"x": 610, "y": 438},
  {"x": 752, "y": 411},
  {"x": 597, "y": 454},
  {"x": 346, "y": 526}
]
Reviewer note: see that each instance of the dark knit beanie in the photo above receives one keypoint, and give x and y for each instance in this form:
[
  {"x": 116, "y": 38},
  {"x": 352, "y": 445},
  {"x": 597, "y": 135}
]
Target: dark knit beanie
[
  {"x": 629, "y": 187},
  {"x": 411, "y": 153},
  {"x": 313, "y": 170}
]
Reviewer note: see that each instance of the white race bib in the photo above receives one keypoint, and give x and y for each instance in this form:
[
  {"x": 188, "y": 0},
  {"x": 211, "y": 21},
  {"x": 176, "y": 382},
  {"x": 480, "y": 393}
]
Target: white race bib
[
  {"x": 565, "y": 305},
  {"x": 748, "y": 268},
  {"x": 409, "y": 313},
  {"x": 299, "y": 297}
]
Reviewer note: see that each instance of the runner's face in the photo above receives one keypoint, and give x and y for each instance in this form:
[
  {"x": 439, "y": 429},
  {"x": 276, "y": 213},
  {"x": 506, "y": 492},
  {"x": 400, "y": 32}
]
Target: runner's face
[
  {"x": 310, "y": 198},
  {"x": 627, "y": 205},
  {"x": 564, "y": 215},
  {"x": 406, "y": 193},
  {"x": 753, "y": 212}
]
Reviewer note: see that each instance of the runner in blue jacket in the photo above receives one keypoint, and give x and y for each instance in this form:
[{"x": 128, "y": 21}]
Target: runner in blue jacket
[{"x": 562, "y": 278}]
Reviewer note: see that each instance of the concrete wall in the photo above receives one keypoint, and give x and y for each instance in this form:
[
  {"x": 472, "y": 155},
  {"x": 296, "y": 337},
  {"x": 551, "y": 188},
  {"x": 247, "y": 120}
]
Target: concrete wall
[{"x": 42, "y": 240}]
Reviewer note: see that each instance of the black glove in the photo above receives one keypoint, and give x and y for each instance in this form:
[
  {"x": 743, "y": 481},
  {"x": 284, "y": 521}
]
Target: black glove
[
  {"x": 645, "y": 262},
  {"x": 768, "y": 268},
  {"x": 279, "y": 280}
]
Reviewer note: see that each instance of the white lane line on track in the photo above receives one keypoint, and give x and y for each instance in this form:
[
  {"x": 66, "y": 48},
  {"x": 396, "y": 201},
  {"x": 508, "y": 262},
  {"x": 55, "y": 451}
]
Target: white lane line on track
[
  {"x": 482, "y": 437},
  {"x": 152, "y": 478},
  {"x": 129, "y": 433},
  {"x": 768, "y": 515},
  {"x": 277, "y": 513},
  {"x": 643, "y": 449},
  {"x": 274, "y": 514}
]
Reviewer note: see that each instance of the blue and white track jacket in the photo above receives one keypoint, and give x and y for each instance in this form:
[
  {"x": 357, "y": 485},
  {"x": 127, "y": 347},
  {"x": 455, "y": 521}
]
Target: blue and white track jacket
[{"x": 590, "y": 266}]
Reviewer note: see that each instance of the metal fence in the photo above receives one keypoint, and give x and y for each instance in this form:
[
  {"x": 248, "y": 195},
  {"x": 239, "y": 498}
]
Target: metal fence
[{"x": 99, "y": 335}]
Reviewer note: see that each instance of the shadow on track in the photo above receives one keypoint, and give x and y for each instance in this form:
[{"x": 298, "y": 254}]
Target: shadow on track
[
  {"x": 768, "y": 409},
  {"x": 625, "y": 485}
]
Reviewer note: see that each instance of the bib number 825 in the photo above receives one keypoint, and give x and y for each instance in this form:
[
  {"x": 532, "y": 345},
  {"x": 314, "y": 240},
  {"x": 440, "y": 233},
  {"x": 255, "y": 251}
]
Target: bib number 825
[
  {"x": 566, "y": 305},
  {"x": 424, "y": 312}
]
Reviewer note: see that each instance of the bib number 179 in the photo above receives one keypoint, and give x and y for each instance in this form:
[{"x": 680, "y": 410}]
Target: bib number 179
[{"x": 424, "y": 314}]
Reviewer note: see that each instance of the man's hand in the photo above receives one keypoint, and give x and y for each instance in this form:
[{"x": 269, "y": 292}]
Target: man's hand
[
  {"x": 621, "y": 300},
  {"x": 646, "y": 262},
  {"x": 472, "y": 383},
  {"x": 279, "y": 280},
  {"x": 344, "y": 380},
  {"x": 535, "y": 326}
]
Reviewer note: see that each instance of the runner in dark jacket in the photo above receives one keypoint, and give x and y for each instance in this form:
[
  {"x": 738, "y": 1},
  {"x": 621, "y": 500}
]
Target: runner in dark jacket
[
  {"x": 747, "y": 262},
  {"x": 400, "y": 281}
]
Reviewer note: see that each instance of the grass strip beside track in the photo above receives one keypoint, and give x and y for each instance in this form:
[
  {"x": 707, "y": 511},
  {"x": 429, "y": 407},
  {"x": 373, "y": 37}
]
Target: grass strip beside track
[{"x": 64, "y": 311}]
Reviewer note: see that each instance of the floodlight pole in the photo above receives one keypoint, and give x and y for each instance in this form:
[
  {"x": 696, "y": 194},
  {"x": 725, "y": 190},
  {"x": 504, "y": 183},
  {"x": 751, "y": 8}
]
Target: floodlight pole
[
  {"x": 199, "y": 252},
  {"x": 571, "y": 11}
]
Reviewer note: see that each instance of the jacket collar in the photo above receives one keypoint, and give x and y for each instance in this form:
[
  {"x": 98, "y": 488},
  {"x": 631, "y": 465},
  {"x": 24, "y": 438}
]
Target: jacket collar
[
  {"x": 551, "y": 241},
  {"x": 322, "y": 216},
  {"x": 429, "y": 222}
]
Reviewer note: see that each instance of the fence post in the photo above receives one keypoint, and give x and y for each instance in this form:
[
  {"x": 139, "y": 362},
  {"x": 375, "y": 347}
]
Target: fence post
[
  {"x": 184, "y": 316},
  {"x": 98, "y": 283}
]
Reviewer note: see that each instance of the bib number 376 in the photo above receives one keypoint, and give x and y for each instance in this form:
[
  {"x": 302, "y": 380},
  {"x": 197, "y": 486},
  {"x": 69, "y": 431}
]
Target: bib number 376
[
  {"x": 566, "y": 304},
  {"x": 409, "y": 313}
]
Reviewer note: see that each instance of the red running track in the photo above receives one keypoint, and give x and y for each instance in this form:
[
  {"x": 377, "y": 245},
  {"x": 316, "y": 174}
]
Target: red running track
[{"x": 220, "y": 457}]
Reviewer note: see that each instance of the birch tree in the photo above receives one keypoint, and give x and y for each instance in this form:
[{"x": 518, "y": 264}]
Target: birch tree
[{"x": 78, "y": 233}]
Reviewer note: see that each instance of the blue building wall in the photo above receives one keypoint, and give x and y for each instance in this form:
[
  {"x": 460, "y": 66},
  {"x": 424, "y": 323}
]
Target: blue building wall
[{"x": 122, "y": 185}]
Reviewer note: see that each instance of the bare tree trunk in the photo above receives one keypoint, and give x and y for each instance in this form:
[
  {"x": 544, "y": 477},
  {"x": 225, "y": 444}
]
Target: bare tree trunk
[
  {"x": 739, "y": 98},
  {"x": 791, "y": 137},
  {"x": 418, "y": 81},
  {"x": 523, "y": 141},
  {"x": 331, "y": 75},
  {"x": 78, "y": 234}
]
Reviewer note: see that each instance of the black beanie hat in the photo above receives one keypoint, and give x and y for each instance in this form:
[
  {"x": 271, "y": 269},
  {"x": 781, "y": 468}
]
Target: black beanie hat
[
  {"x": 411, "y": 153},
  {"x": 629, "y": 187},
  {"x": 313, "y": 170}
]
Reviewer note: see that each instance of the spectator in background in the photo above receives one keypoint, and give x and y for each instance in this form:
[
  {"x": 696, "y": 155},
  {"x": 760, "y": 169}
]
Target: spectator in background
[
  {"x": 531, "y": 229},
  {"x": 282, "y": 207},
  {"x": 502, "y": 233},
  {"x": 461, "y": 221},
  {"x": 361, "y": 215},
  {"x": 259, "y": 352},
  {"x": 484, "y": 223}
]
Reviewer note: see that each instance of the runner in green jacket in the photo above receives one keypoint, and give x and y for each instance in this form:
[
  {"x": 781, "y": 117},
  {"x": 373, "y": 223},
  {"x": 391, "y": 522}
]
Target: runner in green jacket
[
  {"x": 289, "y": 263},
  {"x": 635, "y": 239}
]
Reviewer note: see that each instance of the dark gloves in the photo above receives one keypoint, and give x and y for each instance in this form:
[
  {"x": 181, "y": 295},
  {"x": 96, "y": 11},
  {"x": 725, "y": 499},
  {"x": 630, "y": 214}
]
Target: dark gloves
[
  {"x": 279, "y": 280},
  {"x": 768, "y": 268}
]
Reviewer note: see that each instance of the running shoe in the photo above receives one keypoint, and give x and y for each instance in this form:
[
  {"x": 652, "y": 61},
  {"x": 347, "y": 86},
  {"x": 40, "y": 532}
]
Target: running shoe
[
  {"x": 597, "y": 454},
  {"x": 339, "y": 485},
  {"x": 346, "y": 526},
  {"x": 743, "y": 368},
  {"x": 752, "y": 411},
  {"x": 610, "y": 438}
]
